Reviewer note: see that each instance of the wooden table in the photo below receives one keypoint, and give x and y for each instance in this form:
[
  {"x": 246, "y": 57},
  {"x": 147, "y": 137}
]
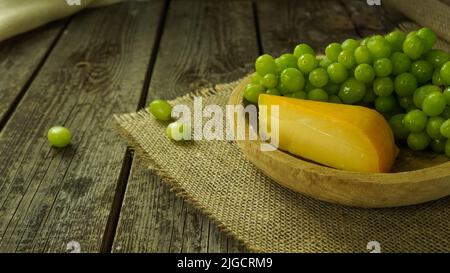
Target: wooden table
[{"x": 82, "y": 70}]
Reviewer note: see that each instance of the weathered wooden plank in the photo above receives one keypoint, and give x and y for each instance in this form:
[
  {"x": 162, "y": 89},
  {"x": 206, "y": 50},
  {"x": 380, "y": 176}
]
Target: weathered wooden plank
[
  {"x": 19, "y": 62},
  {"x": 284, "y": 24},
  {"x": 49, "y": 197},
  {"x": 370, "y": 20},
  {"x": 204, "y": 42}
]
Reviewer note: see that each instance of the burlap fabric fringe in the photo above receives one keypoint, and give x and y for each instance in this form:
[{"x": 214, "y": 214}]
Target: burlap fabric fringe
[{"x": 216, "y": 178}]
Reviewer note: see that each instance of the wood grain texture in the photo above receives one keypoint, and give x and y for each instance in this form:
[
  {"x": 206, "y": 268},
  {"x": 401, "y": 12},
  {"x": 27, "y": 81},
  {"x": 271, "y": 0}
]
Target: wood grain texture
[
  {"x": 49, "y": 197},
  {"x": 288, "y": 23},
  {"x": 204, "y": 42},
  {"x": 19, "y": 61},
  {"x": 416, "y": 178}
]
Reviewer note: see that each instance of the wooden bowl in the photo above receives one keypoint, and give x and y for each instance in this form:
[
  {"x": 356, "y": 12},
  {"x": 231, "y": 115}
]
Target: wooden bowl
[{"x": 415, "y": 178}]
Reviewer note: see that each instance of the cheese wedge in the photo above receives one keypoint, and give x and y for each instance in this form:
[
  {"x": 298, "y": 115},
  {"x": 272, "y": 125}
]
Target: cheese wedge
[{"x": 346, "y": 137}]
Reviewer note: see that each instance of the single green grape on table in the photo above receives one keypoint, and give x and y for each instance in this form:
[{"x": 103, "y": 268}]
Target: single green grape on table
[
  {"x": 160, "y": 109},
  {"x": 269, "y": 81},
  {"x": 428, "y": 37},
  {"x": 422, "y": 92},
  {"x": 347, "y": 59},
  {"x": 302, "y": 49},
  {"x": 59, "y": 136},
  {"x": 379, "y": 47},
  {"x": 290, "y": 60},
  {"x": 178, "y": 131},
  {"x": 350, "y": 44},
  {"x": 415, "y": 121},
  {"x": 414, "y": 47}
]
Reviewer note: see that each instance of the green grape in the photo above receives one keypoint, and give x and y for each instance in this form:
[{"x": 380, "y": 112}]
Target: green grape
[
  {"x": 365, "y": 41},
  {"x": 445, "y": 73},
  {"x": 178, "y": 131},
  {"x": 364, "y": 73},
  {"x": 350, "y": 44},
  {"x": 396, "y": 39},
  {"x": 414, "y": 47},
  {"x": 337, "y": 73},
  {"x": 385, "y": 104},
  {"x": 352, "y": 91},
  {"x": 265, "y": 64},
  {"x": 434, "y": 104},
  {"x": 383, "y": 67},
  {"x": 379, "y": 48},
  {"x": 160, "y": 109},
  {"x": 318, "y": 95},
  {"x": 445, "y": 128},
  {"x": 324, "y": 62},
  {"x": 370, "y": 96},
  {"x": 411, "y": 34},
  {"x": 332, "y": 51},
  {"x": 447, "y": 95},
  {"x": 281, "y": 64},
  {"x": 59, "y": 136},
  {"x": 437, "y": 57},
  {"x": 334, "y": 99},
  {"x": 422, "y": 70},
  {"x": 318, "y": 77},
  {"x": 332, "y": 88},
  {"x": 446, "y": 113},
  {"x": 401, "y": 63},
  {"x": 447, "y": 148},
  {"x": 399, "y": 130},
  {"x": 428, "y": 37},
  {"x": 269, "y": 81},
  {"x": 362, "y": 55},
  {"x": 347, "y": 59},
  {"x": 383, "y": 87},
  {"x": 415, "y": 121},
  {"x": 290, "y": 60},
  {"x": 299, "y": 95},
  {"x": 273, "y": 92},
  {"x": 303, "y": 49},
  {"x": 406, "y": 102},
  {"x": 437, "y": 79},
  {"x": 307, "y": 63},
  {"x": 252, "y": 92},
  {"x": 422, "y": 92},
  {"x": 434, "y": 127},
  {"x": 292, "y": 79},
  {"x": 405, "y": 84},
  {"x": 418, "y": 141},
  {"x": 256, "y": 78},
  {"x": 438, "y": 145}
]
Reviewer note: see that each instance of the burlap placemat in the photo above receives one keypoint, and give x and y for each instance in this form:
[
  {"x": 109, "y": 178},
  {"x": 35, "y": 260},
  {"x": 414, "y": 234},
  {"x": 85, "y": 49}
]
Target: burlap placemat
[{"x": 216, "y": 178}]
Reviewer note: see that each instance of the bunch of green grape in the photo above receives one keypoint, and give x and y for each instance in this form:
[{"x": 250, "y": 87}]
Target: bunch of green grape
[{"x": 400, "y": 75}]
